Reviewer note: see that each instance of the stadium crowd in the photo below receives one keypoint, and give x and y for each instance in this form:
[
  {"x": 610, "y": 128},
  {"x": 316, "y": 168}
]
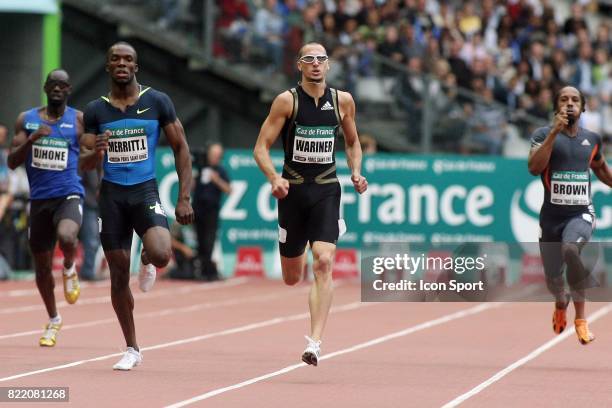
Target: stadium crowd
[{"x": 517, "y": 53}]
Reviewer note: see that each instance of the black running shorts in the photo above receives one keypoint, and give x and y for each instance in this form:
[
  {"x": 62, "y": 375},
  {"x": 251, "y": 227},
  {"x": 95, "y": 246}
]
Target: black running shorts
[
  {"x": 124, "y": 209},
  {"x": 45, "y": 216},
  {"x": 309, "y": 213}
]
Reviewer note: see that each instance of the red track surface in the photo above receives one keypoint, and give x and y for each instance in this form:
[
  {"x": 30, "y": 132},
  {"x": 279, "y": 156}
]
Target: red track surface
[{"x": 209, "y": 340}]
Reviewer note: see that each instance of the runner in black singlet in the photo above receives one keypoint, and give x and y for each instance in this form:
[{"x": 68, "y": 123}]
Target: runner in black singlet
[{"x": 308, "y": 118}]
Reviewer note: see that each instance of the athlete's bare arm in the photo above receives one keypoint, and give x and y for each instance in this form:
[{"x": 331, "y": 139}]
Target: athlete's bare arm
[
  {"x": 22, "y": 143},
  {"x": 351, "y": 140},
  {"x": 539, "y": 156},
  {"x": 176, "y": 138},
  {"x": 602, "y": 171},
  {"x": 92, "y": 150},
  {"x": 281, "y": 109},
  {"x": 80, "y": 125}
]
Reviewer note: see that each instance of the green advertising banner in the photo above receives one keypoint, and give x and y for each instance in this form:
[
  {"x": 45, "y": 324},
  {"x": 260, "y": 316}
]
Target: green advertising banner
[{"x": 410, "y": 198}]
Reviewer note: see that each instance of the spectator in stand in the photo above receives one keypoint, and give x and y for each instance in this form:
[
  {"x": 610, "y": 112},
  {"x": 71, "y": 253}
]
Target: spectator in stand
[
  {"x": 232, "y": 27},
  {"x": 268, "y": 35},
  {"x": 391, "y": 48}
]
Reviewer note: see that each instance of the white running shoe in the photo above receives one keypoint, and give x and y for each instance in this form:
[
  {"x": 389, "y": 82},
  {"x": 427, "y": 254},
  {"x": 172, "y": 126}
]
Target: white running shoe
[
  {"x": 146, "y": 277},
  {"x": 131, "y": 358},
  {"x": 313, "y": 352}
]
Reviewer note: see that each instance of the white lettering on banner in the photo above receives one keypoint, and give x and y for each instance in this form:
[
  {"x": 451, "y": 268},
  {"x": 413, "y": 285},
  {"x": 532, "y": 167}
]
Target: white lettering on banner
[
  {"x": 437, "y": 205},
  {"x": 430, "y": 194},
  {"x": 348, "y": 193},
  {"x": 165, "y": 192},
  {"x": 264, "y": 197},
  {"x": 604, "y": 219},
  {"x": 459, "y": 166},
  {"x": 391, "y": 211},
  {"x": 446, "y": 205},
  {"x": 230, "y": 210},
  {"x": 372, "y": 164},
  {"x": 478, "y": 199},
  {"x": 365, "y": 205}
]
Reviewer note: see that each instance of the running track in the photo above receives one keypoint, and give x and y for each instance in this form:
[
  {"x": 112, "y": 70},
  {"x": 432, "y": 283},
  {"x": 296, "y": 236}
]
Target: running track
[{"x": 238, "y": 344}]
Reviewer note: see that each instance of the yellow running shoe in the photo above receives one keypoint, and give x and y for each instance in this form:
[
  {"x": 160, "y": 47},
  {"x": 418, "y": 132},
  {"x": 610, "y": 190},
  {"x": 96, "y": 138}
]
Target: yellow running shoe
[
  {"x": 582, "y": 331},
  {"x": 48, "y": 338},
  {"x": 72, "y": 289}
]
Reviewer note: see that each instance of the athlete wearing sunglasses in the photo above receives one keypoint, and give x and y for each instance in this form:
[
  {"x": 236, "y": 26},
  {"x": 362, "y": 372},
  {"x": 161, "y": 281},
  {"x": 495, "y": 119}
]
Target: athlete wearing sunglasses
[
  {"x": 308, "y": 118},
  {"x": 309, "y": 59}
]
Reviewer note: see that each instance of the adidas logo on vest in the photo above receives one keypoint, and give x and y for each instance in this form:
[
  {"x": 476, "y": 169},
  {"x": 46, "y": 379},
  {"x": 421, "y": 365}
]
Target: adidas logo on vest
[{"x": 327, "y": 106}]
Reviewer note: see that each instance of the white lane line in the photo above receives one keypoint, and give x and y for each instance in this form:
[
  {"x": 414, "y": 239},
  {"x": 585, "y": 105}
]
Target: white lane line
[
  {"x": 535, "y": 353},
  {"x": 34, "y": 292},
  {"x": 234, "y": 330},
  {"x": 165, "y": 312},
  {"x": 193, "y": 287},
  {"x": 413, "y": 329}
]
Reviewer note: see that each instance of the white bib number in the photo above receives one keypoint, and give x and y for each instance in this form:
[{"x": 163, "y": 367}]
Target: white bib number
[
  {"x": 128, "y": 146},
  {"x": 50, "y": 154},
  {"x": 314, "y": 144},
  {"x": 569, "y": 188}
]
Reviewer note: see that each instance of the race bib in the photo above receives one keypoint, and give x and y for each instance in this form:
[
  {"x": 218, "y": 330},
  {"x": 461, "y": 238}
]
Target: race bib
[
  {"x": 50, "y": 154},
  {"x": 314, "y": 144},
  {"x": 569, "y": 188},
  {"x": 128, "y": 145}
]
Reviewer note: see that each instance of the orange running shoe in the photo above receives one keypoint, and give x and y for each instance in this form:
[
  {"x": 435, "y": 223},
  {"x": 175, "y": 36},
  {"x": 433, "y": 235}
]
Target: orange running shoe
[
  {"x": 582, "y": 331},
  {"x": 559, "y": 320}
]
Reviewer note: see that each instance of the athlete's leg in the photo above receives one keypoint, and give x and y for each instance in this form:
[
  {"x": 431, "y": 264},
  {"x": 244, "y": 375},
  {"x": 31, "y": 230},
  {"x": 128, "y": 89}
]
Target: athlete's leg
[
  {"x": 157, "y": 246},
  {"x": 292, "y": 235},
  {"x": 576, "y": 234},
  {"x": 323, "y": 232},
  {"x": 44, "y": 280},
  {"x": 67, "y": 232},
  {"x": 41, "y": 237},
  {"x": 552, "y": 260},
  {"x": 116, "y": 238},
  {"x": 575, "y": 276},
  {"x": 121, "y": 295},
  {"x": 293, "y": 268},
  {"x": 67, "y": 219},
  {"x": 321, "y": 293}
]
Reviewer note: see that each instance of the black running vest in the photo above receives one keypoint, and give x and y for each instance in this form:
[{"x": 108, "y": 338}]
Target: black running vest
[{"x": 310, "y": 136}]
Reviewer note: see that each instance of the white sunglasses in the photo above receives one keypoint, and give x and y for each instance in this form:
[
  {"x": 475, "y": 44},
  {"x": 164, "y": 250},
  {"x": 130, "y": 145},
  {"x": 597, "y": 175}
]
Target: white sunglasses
[{"x": 309, "y": 59}]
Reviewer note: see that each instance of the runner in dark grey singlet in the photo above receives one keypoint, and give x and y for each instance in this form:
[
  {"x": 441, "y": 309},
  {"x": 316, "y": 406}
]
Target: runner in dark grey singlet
[{"x": 563, "y": 154}]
